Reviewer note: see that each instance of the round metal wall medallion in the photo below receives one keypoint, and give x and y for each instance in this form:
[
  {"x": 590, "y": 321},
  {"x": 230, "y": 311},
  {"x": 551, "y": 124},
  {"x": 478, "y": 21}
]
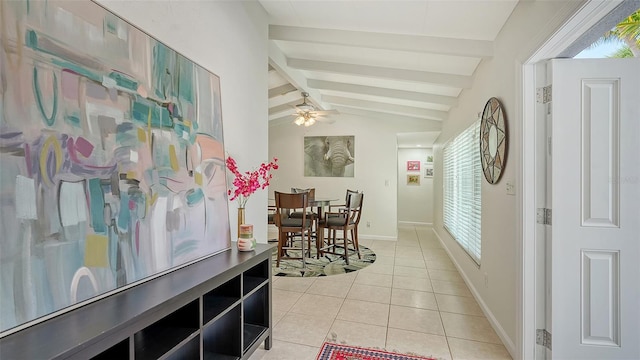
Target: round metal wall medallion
[{"x": 493, "y": 141}]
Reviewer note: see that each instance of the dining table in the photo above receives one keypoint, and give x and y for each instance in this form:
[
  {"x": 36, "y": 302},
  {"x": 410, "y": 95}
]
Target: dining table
[{"x": 318, "y": 202}]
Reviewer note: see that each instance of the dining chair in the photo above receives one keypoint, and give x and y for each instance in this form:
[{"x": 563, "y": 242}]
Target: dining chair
[
  {"x": 310, "y": 213},
  {"x": 271, "y": 214},
  {"x": 312, "y": 196},
  {"x": 346, "y": 199},
  {"x": 347, "y": 221},
  {"x": 289, "y": 228}
]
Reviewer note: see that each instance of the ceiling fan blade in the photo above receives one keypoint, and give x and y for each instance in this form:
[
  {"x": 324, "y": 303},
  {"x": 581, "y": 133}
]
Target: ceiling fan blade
[
  {"x": 307, "y": 115},
  {"x": 326, "y": 121},
  {"x": 327, "y": 112}
]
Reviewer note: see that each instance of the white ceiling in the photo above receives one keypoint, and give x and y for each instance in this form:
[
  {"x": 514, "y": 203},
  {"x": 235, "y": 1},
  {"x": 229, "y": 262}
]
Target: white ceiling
[
  {"x": 417, "y": 139},
  {"x": 380, "y": 57}
]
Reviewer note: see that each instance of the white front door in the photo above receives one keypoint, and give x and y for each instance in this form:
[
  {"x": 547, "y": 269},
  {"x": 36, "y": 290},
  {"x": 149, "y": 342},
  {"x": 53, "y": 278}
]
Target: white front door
[{"x": 595, "y": 201}]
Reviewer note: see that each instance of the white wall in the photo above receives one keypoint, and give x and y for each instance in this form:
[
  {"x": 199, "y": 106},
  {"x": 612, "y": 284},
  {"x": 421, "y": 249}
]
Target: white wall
[
  {"x": 415, "y": 202},
  {"x": 228, "y": 38},
  {"x": 375, "y": 165},
  {"x": 525, "y": 31}
]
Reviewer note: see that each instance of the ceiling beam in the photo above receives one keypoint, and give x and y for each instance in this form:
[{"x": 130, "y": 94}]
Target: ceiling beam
[
  {"x": 281, "y": 90},
  {"x": 290, "y": 106},
  {"x": 387, "y": 108},
  {"x": 455, "y": 81},
  {"x": 278, "y": 61},
  {"x": 284, "y": 99},
  {"x": 281, "y": 120},
  {"x": 398, "y": 42},
  {"x": 431, "y": 125},
  {"x": 383, "y": 92},
  {"x": 426, "y": 124}
]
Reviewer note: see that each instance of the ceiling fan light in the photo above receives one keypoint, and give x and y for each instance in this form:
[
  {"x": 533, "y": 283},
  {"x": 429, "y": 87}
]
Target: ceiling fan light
[{"x": 305, "y": 113}]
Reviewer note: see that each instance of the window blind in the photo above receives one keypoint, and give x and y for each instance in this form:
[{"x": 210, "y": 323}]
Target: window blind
[{"x": 462, "y": 190}]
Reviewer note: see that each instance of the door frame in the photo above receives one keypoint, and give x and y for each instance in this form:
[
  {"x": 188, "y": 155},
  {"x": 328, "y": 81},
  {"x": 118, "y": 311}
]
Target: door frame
[{"x": 586, "y": 17}]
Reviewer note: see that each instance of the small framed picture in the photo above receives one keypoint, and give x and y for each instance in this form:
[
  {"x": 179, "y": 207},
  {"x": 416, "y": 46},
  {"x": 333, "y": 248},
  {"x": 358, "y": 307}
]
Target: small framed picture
[
  {"x": 428, "y": 172},
  {"x": 413, "y": 165},
  {"x": 430, "y": 159},
  {"x": 413, "y": 179}
]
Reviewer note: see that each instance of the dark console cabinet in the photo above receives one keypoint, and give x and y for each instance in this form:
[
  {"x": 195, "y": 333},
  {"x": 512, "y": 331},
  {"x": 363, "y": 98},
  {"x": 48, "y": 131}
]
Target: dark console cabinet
[{"x": 216, "y": 308}]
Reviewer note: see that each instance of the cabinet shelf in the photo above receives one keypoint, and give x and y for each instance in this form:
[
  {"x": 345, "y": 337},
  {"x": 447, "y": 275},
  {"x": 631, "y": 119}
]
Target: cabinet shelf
[
  {"x": 256, "y": 316},
  {"x": 220, "y": 299},
  {"x": 216, "y": 308},
  {"x": 251, "y": 334},
  {"x": 118, "y": 351},
  {"x": 252, "y": 283},
  {"x": 188, "y": 349},
  {"x": 163, "y": 335},
  {"x": 156, "y": 342},
  {"x": 254, "y": 277},
  {"x": 222, "y": 336},
  {"x": 221, "y": 307}
]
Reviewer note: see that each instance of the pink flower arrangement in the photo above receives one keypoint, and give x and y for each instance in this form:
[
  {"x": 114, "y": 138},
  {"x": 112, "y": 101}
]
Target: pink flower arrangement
[{"x": 247, "y": 183}]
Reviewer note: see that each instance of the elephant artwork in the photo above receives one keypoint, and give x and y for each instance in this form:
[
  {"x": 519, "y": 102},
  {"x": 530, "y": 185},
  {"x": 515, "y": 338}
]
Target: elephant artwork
[{"x": 329, "y": 156}]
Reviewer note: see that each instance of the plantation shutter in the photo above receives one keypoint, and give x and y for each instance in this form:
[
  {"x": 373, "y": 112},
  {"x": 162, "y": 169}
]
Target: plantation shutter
[{"x": 462, "y": 190}]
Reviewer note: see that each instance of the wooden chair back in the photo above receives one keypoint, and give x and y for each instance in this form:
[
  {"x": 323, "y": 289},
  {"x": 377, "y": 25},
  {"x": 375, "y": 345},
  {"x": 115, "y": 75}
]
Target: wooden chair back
[
  {"x": 290, "y": 227},
  {"x": 354, "y": 208},
  {"x": 346, "y": 221},
  {"x": 286, "y": 204},
  {"x": 346, "y": 199}
]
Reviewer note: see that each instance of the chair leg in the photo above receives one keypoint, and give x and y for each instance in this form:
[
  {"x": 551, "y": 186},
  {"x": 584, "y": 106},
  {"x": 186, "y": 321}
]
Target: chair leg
[
  {"x": 345, "y": 243},
  {"x": 279, "y": 248},
  {"x": 333, "y": 240},
  {"x": 354, "y": 235},
  {"x": 309, "y": 235},
  {"x": 304, "y": 265},
  {"x": 319, "y": 242}
]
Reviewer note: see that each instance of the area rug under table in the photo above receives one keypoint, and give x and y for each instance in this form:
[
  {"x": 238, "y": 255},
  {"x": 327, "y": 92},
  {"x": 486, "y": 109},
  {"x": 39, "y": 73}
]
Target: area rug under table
[
  {"x": 331, "y": 351},
  {"x": 326, "y": 265}
]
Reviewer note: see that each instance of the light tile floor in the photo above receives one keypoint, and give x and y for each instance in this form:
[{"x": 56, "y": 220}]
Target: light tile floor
[{"x": 411, "y": 300}]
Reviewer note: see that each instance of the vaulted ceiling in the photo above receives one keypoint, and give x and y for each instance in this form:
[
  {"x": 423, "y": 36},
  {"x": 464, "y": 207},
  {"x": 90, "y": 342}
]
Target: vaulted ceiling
[{"x": 385, "y": 59}]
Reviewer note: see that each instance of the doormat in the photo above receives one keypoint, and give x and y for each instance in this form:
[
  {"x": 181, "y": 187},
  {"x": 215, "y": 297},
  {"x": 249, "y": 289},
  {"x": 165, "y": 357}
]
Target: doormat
[
  {"x": 326, "y": 265},
  {"x": 331, "y": 351}
]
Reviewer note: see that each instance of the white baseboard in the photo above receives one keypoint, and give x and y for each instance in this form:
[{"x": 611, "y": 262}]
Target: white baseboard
[{"x": 506, "y": 340}]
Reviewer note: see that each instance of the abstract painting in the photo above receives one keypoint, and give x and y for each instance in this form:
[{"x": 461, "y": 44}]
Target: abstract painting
[
  {"x": 111, "y": 158},
  {"x": 413, "y": 179},
  {"x": 329, "y": 156}
]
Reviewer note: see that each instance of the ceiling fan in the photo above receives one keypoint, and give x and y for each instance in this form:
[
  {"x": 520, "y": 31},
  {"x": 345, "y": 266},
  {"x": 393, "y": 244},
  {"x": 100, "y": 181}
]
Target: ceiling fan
[{"x": 306, "y": 114}]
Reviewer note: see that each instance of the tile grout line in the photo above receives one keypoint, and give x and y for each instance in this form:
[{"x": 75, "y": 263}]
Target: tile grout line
[
  {"x": 393, "y": 263},
  {"x": 458, "y": 313},
  {"x": 444, "y": 330},
  {"x": 338, "y": 313},
  {"x": 386, "y": 336}
]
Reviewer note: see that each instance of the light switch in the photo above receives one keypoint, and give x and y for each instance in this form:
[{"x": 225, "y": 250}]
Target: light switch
[
  {"x": 386, "y": 183},
  {"x": 511, "y": 189}
]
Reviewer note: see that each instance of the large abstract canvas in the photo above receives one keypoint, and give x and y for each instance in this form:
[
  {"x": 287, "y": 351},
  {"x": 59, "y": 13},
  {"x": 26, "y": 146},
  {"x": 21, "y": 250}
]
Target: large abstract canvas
[{"x": 111, "y": 158}]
